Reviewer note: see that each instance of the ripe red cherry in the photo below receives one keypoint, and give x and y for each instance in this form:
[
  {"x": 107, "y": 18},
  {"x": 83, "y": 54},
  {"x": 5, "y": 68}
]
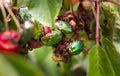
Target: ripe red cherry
[
  {"x": 11, "y": 34},
  {"x": 46, "y": 29},
  {"x": 9, "y": 46},
  {"x": 8, "y": 41}
]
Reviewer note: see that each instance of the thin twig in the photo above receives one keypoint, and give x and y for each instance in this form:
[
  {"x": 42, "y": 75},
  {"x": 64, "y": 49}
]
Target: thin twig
[
  {"x": 8, "y": 18},
  {"x": 14, "y": 18},
  {"x": 4, "y": 15},
  {"x": 97, "y": 23}
]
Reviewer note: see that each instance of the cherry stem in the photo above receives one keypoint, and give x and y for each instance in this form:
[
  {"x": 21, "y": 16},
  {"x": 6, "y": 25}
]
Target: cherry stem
[
  {"x": 97, "y": 23},
  {"x": 4, "y": 15},
  {"x": 114, "y": 2},
  {"x": 14, "y": 18}
]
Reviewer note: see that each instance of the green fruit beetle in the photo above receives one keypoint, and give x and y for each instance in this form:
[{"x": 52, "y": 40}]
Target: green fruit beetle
[
  {"x": 63, "y": 26},
  {"x": 52, "y": 38},
  {"x": 76, "y": 47}
]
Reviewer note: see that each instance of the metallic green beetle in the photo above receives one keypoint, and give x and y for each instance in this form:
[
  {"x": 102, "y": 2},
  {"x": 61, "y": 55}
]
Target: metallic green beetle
[
  {"x": 27, "y": 32},
  {"x": 63, "y": 26},
  {"x": 76, "y": 47},
  {"x": 23, "y": 14},
  {"x": 51, "y": 38}
]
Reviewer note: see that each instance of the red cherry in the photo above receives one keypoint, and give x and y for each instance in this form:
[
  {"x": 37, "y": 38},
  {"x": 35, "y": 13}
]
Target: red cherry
[
  {"x": 8, "y": 46},
  {"x": 46, "y": 29},
  {"x": 14, "y": 34},
  {"x": 7, "y": 41},
  {"x": 11, "y": 34}
]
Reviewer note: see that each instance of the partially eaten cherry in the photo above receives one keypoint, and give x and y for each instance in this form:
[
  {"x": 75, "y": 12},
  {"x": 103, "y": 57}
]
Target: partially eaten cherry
[{"x": 46, "y": 29}]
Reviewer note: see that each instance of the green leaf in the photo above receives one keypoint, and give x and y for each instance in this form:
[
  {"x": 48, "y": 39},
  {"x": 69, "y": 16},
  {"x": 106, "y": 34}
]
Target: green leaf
[
  {"x": 44, "y": 11},
  {"x": 39, "y": 55},
  {"x": 23, "y": 67},
  {"x": 111, "y": 7},
  {"x": 43, "y": 58},
  {"x": 21, "y": 2},
  {"x": 116, "y": 37},
  {"x": 6, "y": 68},
  {"x": 112, "y": 29},
  {"x": 99, "y": 63},
  {"x": 112, "y": 54},
  {"x": 51, "y": 66},
  {"x": 107, "y": 21}
]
